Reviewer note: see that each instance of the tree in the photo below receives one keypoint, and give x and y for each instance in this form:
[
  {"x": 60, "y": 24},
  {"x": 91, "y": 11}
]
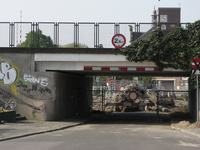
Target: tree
[
  {"x": 71, "y": 45},
  {"x": 37, "y": 39},
  {"x": 173, "y": 50},
  {"x": 147, "y": 81}
]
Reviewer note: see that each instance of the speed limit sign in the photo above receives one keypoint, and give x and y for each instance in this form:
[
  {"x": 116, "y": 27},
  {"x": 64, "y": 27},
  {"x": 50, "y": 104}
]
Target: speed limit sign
[{"x": 118, "y": 40}]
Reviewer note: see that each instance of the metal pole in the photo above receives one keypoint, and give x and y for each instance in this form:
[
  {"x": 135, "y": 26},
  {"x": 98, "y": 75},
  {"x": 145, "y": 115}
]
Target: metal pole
[
  {"x": 157, "y": 105},
  {"x": 102, "y": 99},
  {"x": 197, "y": 97}
]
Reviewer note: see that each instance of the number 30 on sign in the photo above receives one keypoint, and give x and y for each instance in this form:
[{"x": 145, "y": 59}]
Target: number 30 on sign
[{"x": 118, "y": 40}]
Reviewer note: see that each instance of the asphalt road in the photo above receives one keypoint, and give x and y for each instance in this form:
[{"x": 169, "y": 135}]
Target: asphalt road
[{"x": 109, "y": 135}]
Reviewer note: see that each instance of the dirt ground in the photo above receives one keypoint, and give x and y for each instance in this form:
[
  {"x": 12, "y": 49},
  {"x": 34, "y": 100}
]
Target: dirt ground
[{"x": 180, "y": 108}]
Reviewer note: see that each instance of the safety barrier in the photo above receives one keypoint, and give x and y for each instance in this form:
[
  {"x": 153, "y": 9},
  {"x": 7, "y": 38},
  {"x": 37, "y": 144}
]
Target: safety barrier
[
  {"x": 70, "y": 34},
  {"x": 6, "y": 101}
]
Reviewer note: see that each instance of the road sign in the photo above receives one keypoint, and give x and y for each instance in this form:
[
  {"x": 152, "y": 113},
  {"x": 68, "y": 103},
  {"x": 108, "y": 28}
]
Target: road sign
[
  {"x": 118, "y": 40},
  {"x": 97, "y": 79},
  {"x": 133, "y": 95},
  {"x": 182, "y": 84},
  {"x": 195, "y": 63},
  {"x": 196, "y": 72}
]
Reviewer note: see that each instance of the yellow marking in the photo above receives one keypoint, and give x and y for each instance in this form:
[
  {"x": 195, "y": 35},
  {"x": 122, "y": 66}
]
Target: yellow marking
[{"x": 15, "y": 90}]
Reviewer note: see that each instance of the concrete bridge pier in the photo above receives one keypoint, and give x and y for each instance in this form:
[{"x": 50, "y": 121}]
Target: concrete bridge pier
[{"x": 192, "y": 104}]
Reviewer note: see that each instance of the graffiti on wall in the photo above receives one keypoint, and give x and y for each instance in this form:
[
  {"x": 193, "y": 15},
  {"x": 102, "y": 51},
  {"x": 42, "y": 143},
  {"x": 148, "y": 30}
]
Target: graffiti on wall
[
  {"x": 15, "y": 90},
  {"x": 8, "y": 73},
  {"x": 40, "y": 109},
  {"x": 43, "y": 90},
  {"x": 32, "y": 79},
  {"x": 22, "y": 82},
  {"x": 31, "y": 84}
]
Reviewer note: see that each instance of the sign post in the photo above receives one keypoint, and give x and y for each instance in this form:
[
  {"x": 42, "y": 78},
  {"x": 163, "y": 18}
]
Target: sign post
[
  {"x": 197, "y": 97},
  {"x": 195, "y": 65}
]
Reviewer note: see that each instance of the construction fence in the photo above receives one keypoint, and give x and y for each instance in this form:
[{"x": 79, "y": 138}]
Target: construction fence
[
  {"x": 129, "y": 96},
  {"x": 120, "y": 101}
]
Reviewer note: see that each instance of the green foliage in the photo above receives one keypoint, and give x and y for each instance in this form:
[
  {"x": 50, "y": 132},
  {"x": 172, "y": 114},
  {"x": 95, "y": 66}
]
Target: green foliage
[
  {"x": 71, "y": 45},
  {"x": 37, "y": 39},
  {"x": 147, "y": 80},
  {"x": 173, "y": 50}
]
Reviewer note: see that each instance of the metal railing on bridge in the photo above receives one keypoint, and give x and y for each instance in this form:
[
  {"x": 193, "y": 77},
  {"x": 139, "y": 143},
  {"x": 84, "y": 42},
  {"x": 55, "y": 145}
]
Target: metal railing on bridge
[{"x": 70, "y": 34}]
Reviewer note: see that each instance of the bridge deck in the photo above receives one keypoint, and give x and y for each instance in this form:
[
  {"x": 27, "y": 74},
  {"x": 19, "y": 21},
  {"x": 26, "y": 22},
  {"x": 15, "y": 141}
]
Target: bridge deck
[{"x": 91, "y": 62}]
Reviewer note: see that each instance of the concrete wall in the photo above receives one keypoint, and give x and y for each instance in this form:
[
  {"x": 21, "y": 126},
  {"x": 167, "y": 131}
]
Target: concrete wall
[
  {"x": 192, "y": 104},
  {"x": 73, "y": 95},
  {"x": 40, "y": 95}
]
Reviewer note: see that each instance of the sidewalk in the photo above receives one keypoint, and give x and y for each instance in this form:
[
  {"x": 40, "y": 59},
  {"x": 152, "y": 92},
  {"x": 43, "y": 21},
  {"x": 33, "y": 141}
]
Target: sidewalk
[{"x": 27, "y": 127}]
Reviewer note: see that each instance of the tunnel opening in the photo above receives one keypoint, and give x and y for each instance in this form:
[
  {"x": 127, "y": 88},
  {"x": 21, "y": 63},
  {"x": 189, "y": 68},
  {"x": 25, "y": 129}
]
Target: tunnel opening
[
  {"x": 109, "y": 97},
  {"x": 147, "y": 98}
]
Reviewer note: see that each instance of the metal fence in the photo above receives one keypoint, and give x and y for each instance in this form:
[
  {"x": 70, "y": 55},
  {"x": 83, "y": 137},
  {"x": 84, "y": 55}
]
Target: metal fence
[
  {"x": 159, "y": 99},
  {"x": 160, "y": 105},
  {"x": 73, "y": 35},
  {"x": 6, "y": 101}
]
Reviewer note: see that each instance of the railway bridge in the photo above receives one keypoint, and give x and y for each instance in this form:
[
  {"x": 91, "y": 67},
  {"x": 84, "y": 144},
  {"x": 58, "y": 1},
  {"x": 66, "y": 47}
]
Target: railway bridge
[{"x": 45, "y": 81}]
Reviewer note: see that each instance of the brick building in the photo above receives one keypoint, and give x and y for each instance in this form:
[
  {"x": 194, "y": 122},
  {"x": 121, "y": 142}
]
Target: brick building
[{"x": 168, "y": 18}]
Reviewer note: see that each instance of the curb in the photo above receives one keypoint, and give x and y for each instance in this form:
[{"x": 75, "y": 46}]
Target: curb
[
  {"x": 42, "y": 132},
  {"x": 191, "y": 133},
  {"x": 185, "y": 131}
]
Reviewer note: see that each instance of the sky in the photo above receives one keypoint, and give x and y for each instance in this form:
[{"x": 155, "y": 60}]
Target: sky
[
  {"x": 92, "y": 10},
  {"x": 126, "y": 12}
]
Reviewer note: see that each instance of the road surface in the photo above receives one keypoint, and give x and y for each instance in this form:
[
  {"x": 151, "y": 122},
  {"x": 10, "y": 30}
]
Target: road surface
[{"x": 109, "y": 135}]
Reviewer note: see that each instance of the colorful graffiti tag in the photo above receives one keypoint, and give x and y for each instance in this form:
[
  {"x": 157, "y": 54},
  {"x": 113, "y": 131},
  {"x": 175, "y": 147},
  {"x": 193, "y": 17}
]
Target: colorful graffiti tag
[
  {"x": 8, "y": 73},
  {"x": 31, "y": 84}
]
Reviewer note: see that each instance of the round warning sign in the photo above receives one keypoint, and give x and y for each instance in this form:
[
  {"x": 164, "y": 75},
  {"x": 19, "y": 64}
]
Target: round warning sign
[
  {"x": 133, "y": 95},
  {"x": 195, "y": 63},
  {"x": 118, "y": 40}
]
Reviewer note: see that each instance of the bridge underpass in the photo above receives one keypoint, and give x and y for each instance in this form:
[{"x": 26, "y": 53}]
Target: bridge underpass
[
  {"x": 48, "y": 80},
  {"x": 123, "y": 73}
]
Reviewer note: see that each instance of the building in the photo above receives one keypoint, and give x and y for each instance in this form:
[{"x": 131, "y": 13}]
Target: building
[{"x": 166, "y": 18}]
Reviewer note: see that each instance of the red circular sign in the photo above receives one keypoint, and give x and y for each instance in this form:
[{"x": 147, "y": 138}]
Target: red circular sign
[
  {"x": 118, "y": 40},
  {"x": 133, "y": 95},
  {"x": 197, "y": 60}
]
